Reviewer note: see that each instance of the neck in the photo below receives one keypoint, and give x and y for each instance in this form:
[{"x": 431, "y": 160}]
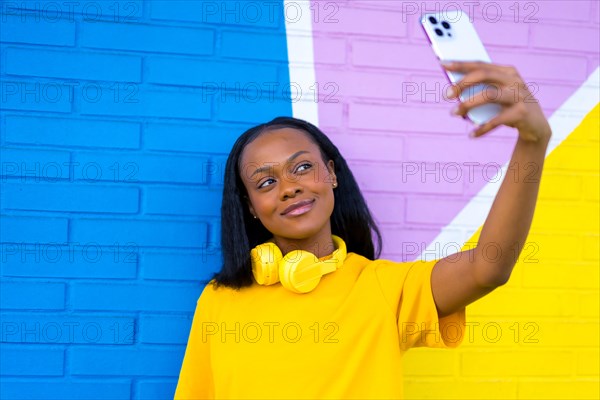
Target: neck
[{"x": 320, "y": 245}]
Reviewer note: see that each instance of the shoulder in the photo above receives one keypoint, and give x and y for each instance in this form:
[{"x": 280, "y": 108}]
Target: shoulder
[
  {"x": 212, "y": 292},
  {"x": 355, "y": 259},
  {"x": 386, "y": 269},
  {"x": 382, "y": 268},
  {"x": 214, "y": 297},
  {"x": 360, "y": 259},
  {"x": 213, "y": 289},
  {"x": 362, "y": 264}
]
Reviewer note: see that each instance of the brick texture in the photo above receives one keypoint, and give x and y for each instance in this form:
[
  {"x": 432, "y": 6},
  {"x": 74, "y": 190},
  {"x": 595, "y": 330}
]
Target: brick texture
[
  {"x": 114, "y": 121},
  {"x": 418, "y": 170}
]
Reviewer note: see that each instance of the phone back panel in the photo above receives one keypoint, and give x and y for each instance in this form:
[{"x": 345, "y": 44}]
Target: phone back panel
[
  {"x": 459, "y": 41},
  {"x": 463, "y": 44}
]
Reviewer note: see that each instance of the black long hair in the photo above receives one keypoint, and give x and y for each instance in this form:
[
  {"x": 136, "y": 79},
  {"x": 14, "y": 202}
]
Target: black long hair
[{"x": 240, "y": 232}]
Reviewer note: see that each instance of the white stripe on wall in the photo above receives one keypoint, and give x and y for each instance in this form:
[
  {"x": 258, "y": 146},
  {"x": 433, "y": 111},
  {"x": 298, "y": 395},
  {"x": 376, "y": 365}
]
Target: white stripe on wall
[{"x": 298, "y": 27}]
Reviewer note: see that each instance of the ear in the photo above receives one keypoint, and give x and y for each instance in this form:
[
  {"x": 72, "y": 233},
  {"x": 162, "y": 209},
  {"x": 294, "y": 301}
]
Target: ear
[{"x": 331, "y": 169}]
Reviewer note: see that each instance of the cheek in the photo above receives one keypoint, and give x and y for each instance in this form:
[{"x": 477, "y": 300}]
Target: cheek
[
  {"x": 262, "y": 204},
  {"x": 324, "y": 187},
  {"x": 325, "y": 178}
]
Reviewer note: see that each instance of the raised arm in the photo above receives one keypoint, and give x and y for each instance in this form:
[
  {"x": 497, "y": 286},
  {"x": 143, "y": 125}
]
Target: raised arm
[{"x": 462, "y": 278}]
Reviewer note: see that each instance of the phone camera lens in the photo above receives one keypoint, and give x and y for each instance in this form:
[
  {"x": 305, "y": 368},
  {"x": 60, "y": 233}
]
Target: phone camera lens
[
  {"x": 445, "y": 25},
  {"x": 439, "y": 32},
  {"x": 433, "y": 20}
]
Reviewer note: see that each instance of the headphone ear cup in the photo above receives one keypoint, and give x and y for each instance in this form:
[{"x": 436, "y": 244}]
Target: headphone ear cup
[
  {"x": 300, "y": 271},
  {"x": 265, "y": 263}
]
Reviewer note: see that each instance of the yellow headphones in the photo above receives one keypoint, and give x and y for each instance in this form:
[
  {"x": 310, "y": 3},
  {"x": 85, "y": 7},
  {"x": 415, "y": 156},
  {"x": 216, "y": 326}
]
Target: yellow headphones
[{"x": 299, "y": 271}]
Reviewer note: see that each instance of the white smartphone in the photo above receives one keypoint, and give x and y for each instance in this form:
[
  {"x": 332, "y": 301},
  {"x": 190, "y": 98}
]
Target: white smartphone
[{"x": 453, "y": 38}]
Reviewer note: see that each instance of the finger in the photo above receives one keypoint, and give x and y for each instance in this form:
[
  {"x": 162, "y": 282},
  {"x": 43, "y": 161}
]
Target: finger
[
  {"x": 491, "y": 94},
  {"x": 507, "y": 117},
  {"x": 482, "y": 76},
  {"x": 485, "y": 128},
  {"x": 468, "y": 66}
]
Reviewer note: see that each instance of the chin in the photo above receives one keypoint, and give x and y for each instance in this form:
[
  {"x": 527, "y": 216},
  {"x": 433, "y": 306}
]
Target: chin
[{"x": 300, "y": 232}]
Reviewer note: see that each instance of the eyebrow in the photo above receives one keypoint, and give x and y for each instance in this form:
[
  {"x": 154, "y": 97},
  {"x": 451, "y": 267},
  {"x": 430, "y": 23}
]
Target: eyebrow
[{"x": 267, "y": 167}]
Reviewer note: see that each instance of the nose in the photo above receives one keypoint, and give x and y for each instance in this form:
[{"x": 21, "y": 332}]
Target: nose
[{"x": 290, "y": 189}]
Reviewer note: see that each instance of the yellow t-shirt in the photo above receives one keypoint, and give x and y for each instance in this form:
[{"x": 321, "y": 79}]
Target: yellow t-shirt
[{"x": 345, "y": 339}]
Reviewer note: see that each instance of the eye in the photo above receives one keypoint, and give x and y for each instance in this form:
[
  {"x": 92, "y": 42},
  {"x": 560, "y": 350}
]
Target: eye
[
  {"x": 306, "y": 164},
  {"x": 262, "y": 185}
]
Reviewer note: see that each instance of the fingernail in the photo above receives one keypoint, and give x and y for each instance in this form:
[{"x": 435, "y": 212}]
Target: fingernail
[
  {"x": 447, "y": 63},
  {"x": 450, "y": 92},
  {"x": 474, "y": 131},
  {"x": 454, "y": 111}
]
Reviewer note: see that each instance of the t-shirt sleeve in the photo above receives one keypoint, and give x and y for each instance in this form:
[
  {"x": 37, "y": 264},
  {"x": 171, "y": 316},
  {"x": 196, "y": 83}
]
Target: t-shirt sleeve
[
  {"x": 195, "y": 377},
  {"x": 407, "y": 288}
]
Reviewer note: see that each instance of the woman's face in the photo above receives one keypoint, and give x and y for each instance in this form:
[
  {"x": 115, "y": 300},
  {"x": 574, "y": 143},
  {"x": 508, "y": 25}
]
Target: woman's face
[{"x": 289, "y": 186}]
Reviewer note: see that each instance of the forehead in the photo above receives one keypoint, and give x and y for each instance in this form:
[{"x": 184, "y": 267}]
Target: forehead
[{"x": 276, "y": 146}]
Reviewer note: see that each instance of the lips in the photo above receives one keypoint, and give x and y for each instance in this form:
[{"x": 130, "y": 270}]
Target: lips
[{"x": 299, "y": 207}]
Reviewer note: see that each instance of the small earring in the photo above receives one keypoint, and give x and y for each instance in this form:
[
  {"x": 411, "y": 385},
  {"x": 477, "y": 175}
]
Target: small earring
[
  {"x": 255, "y": 217},
  {"x": 334, "y": 184}
]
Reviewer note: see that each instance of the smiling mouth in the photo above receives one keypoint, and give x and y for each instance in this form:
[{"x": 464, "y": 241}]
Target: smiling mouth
[{"x": 302, "y": 209}]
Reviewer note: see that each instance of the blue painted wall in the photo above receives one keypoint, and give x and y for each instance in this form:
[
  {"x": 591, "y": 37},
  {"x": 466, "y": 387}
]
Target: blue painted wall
[{"x": 116, "y": 119}]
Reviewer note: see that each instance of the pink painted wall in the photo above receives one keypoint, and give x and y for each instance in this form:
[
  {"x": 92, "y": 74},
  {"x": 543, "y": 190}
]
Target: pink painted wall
[{"x": 414, "y": 161}]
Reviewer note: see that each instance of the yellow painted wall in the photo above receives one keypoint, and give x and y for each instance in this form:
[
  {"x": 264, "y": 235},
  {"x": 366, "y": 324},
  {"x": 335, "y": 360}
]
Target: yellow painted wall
[{"x": 536, "y": 337}]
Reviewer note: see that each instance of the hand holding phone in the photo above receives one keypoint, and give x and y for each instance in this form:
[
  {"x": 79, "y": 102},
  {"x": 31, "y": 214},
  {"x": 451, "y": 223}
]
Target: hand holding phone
[{"x": 453, "y": 38}]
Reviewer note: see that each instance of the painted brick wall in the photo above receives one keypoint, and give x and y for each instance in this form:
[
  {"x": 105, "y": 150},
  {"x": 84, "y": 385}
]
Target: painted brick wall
[
  {"x": 386, "y": 110},
  {"x": 116, "y": 118},
  {"x": 537, "y": 337}
]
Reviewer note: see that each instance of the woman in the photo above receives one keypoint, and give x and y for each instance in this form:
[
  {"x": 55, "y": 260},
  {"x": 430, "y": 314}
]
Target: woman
[{"x": 280, "y": 322}]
